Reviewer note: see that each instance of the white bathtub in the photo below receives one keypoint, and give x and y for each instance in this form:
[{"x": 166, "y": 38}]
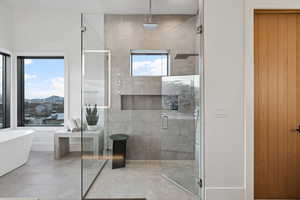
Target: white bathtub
[{"x": 15, "y": 146}]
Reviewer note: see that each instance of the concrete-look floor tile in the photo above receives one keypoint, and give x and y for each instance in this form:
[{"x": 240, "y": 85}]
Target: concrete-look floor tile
[
  {"x": 140, "y": 179},
  {"x": 44, "y": 178}
]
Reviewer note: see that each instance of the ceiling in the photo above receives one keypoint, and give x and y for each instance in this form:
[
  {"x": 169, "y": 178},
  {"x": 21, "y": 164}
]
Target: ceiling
[{"x": 112, "y": 6}]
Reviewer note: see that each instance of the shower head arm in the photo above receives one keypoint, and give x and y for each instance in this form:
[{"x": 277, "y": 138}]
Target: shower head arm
[{"x": 150, "y": 11}]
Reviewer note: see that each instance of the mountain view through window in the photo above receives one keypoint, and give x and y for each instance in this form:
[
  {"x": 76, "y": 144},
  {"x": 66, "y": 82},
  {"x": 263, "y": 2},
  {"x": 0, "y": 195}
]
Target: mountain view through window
[{"x": 43, "y": 92}]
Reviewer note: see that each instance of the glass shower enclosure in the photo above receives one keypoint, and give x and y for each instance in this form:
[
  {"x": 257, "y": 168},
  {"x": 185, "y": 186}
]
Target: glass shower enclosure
[{"x": 161, "y": 115}]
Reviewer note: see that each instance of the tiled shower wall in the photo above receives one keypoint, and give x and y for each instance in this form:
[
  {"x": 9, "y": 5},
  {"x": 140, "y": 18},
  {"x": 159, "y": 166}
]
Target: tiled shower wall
[{"x": 123, "y": 33}]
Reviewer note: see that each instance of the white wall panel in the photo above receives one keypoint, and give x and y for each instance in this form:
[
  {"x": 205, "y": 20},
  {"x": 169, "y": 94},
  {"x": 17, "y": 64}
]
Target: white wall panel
[
  {"x": 224, "y": 89},
  {"x": 5, "y": 28}
]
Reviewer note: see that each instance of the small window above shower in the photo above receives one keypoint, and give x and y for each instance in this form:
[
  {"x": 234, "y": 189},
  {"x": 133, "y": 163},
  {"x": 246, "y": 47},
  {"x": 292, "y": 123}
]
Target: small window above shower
[{"x": 149, "y": 63}]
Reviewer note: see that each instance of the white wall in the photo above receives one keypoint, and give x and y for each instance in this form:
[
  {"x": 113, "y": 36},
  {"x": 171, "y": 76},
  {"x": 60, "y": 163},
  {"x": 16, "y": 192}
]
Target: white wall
[
  {"x": 228, "y": 78},
  {"x": 50, "y": 32},
  {"x": 224, "y": 62},
  {"x": 6, "y": 28}
]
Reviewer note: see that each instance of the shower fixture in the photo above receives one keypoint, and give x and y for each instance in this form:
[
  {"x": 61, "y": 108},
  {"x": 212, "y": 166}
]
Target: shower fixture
[
  {"x": 183, "y": 56},
  {"x": 149, "y": 25},
  {"x": 199, "y": 29}
]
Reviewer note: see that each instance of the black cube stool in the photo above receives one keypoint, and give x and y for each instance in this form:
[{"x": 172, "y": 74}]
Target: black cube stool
[{"x": 119, "y": 150}]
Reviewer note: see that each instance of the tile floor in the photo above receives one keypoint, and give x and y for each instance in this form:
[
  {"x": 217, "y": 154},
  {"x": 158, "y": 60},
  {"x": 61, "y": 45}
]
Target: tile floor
[
  {"x": 45, "y": 178},
  {"x": 183, "y": 172},
  {"x": 48, "y": 179},
  {"x": 140, "y": 179}
]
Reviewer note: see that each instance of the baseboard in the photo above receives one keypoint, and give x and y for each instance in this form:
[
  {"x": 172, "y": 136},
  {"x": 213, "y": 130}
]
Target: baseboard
[
  {"x": 225, "y": 193},
  {"x": 120, "y": 199}
]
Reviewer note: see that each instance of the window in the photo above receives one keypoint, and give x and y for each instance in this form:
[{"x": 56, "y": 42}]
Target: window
[
  {"x": 4, "y": 91},
  {"x": 40, "y": 91},
  {"x": 149, "y": 63}
]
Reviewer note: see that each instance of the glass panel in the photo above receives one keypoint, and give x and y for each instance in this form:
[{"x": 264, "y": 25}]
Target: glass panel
[
  {"x": 96, "y": 100},
  {"x": 1, "y": 91},
  {"x": 95, "y": 105},
  {"x": 44, "y": 92},
  {"x": 178, "y": 146},
  {"x": 199, "y": 165}
]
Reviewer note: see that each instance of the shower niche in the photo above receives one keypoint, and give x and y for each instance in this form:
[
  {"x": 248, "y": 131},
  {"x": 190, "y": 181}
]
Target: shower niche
[{"x": 149, "y": 102}]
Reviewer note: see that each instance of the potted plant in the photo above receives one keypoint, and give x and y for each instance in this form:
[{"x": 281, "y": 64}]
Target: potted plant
[{"x": 92, "y": 117}]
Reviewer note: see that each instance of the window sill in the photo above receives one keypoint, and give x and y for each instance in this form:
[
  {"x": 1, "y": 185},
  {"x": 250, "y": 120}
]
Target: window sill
[{"x": 41, "y": 128}]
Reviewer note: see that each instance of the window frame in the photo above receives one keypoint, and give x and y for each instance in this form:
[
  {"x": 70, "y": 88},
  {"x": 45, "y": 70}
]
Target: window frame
[
  {"x": 6, "y": 72},
  {"x": 21, "y": 90},
  {"x": 150, "y": 52}
]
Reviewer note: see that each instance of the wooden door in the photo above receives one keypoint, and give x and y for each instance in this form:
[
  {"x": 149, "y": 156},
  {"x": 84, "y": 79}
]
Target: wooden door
[{"x": 277, "y": 105}]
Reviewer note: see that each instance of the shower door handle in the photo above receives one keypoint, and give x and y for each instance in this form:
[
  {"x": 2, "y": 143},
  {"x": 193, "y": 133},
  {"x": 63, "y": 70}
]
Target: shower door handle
[
  {"x": 164, "y": 121},
  {"x": 200, "y": 183}
]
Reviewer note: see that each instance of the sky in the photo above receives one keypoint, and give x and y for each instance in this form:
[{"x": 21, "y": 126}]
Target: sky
[
  {"x": 44, "y": 78},
  {"x": 149, "y": 65}
]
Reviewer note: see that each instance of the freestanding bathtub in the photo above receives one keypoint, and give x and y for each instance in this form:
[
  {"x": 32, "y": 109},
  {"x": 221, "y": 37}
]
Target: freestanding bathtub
[{"x": 15, "y": 146}]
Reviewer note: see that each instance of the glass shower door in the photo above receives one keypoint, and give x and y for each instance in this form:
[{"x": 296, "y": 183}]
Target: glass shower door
[
  {"x": 96, "y": 100},
  {"x": 180, "y": 132}
]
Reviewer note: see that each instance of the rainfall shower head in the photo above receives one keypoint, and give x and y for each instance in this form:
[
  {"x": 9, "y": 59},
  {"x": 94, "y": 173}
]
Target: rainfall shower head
[
  {"x": 184, "y": 56},
  {"x": 150, "y": 25}
]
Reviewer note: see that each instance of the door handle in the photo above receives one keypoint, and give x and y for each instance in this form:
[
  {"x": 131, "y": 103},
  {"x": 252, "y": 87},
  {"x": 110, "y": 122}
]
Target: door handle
[
  {"x": 164, "y": 121},
  {"x": 200, "y": 183},
  {"x": 298, "y": 129}
]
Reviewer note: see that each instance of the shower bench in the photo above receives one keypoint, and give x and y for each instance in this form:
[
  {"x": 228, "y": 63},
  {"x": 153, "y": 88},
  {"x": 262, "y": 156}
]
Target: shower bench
[{"x": 62, "y": 142}]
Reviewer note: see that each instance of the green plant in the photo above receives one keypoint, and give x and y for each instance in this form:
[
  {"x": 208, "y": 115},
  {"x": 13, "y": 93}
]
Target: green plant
[{"x": 92, "y": 115}]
